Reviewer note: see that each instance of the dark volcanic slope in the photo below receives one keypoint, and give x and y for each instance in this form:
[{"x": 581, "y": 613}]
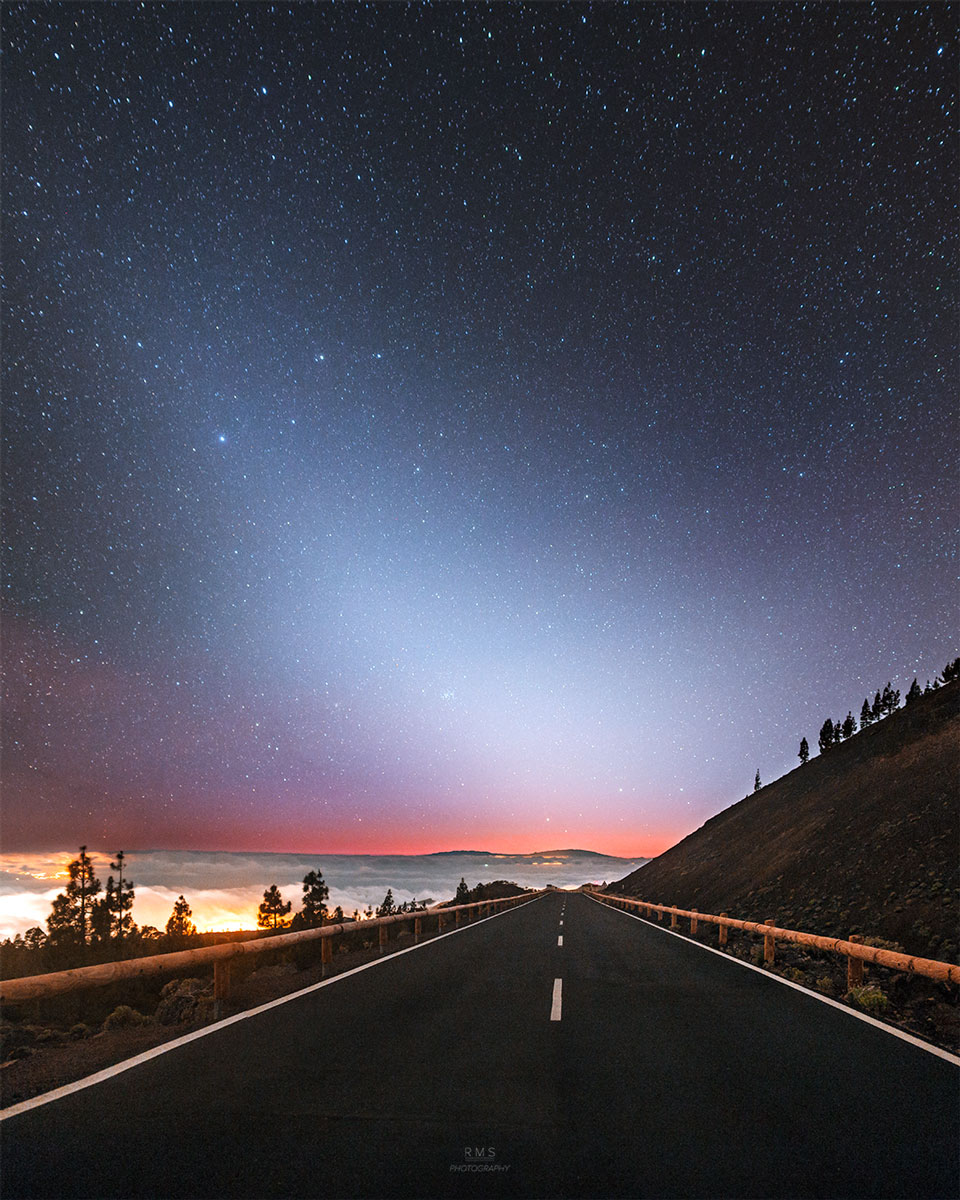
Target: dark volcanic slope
[{"x": 863, "y": 839}]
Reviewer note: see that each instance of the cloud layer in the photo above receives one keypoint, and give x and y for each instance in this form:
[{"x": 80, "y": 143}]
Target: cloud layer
[{"x": 224, "y": 889}]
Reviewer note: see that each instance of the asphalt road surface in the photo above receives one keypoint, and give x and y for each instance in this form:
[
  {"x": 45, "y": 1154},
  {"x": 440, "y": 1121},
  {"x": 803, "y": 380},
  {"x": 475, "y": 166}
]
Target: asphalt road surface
[{"x": 463, "y": 1068}]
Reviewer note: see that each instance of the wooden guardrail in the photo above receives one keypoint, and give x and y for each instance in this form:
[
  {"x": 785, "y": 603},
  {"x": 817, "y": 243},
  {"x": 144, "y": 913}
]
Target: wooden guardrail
[
  {"x": 856, "y": 953},
  {"x": 222, "y": 956}
]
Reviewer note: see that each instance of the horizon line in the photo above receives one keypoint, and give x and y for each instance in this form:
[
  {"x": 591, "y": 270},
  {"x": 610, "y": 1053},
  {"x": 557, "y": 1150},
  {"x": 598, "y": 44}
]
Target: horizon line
[{"x": 60, "y": 849}]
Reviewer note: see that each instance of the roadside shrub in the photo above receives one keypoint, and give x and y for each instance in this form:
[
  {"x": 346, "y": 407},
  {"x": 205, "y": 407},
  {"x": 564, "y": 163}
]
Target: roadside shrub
[
  {"x": 79, "y": 1031},
  {"x": 16, "y": 1040},
  {"x": 883, "y": 944},
  {"x": 869, "y": 998},
  {"x": 825, "y": 985},
  {"x": 51, "y": 1037},
  {"x": 124, "y": 1017},
  {"x": 184, "y": 1000}
]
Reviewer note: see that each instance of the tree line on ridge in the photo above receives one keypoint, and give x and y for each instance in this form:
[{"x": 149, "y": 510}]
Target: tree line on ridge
[{"x": 90, "y": 923}]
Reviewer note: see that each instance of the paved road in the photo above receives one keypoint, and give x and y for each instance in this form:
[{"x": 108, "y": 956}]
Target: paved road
[{"x": 461, "y": 1069}]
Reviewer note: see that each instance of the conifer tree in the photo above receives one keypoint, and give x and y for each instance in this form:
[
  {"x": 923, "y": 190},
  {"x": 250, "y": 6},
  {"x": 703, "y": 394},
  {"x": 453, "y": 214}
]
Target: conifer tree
[
  {"x": 877, "y": 711},
  {"x": 62, "y": 922},
  {"x": 756, "y": 781},
  {"x": 119, "y": 899},
  {"x": 866, "y": 716},
  {"x": 826, "y": 736},
  {"x": 34, "y": 938},
  {"x": 70, "y": 917},
  {"x": 180, "y": 924},
  {"x": 849, "y": 725},
  {"x": 463, "y": 892},
  {"x": 837, "y": 732},
  {"x": 804, "y": 750},
  {"x": 387, "y": 908},
  {"x": 914, "y": 693},
  {"x": 951, "y": 671},
  {"x": 101, "y": 919},
  {"x": 315, "y": 893},
  {"x": 272, "y": 909}
]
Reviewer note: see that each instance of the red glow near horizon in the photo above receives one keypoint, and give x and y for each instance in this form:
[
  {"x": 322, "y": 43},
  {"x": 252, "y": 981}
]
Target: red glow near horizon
[{"x": 379, "y": 840}]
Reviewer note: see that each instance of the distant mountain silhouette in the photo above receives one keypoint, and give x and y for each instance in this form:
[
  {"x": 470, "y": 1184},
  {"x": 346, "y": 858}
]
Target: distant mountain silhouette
[
  {"x": 444, "y": 853},
  {"x": 590, "y": 853},
  {"x": 860, "y": 839},
  {"x": 534, "y": 854}
]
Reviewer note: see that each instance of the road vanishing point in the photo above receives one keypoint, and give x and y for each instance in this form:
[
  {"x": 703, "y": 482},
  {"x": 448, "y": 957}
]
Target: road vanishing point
[{"x": 561, "y": 1049}]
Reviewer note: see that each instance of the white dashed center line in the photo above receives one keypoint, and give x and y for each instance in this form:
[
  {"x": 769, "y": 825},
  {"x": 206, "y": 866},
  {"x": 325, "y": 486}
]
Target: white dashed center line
[
  {"x": 555, "y": 1007},
  {"x": 560, "y": 940}
]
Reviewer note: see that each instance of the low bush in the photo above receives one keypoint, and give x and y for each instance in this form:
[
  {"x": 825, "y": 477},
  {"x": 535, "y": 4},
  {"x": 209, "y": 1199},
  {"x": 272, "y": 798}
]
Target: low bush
[
  {"x": 868, "y": 997},
  {"x": 184, "y": 1000},
  {"x": 124, "y": 1017}
]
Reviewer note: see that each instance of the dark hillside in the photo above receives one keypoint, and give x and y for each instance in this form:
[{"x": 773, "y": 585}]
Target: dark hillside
[{"x": 862, "y": 839}]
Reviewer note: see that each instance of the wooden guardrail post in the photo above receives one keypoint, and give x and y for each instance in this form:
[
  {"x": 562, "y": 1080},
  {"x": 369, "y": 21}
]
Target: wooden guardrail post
[
  {"x": 722, "y": 932},
  {"x": 326, "y": 956},
  {"x": 383, "y": 938},
  {"x": 854, "y": 966},
  {"x": 693, "y": 922},
  {"x": 221, "y": 986},
  {"x": 659, "y": 914},
  {"x": 440, "y": 921},
  {"x": 673, "y": 920},
  {"x": 457, "y": 917},
  {"x": 768, "y": 942},
  {"x": 417, "y": 928}
]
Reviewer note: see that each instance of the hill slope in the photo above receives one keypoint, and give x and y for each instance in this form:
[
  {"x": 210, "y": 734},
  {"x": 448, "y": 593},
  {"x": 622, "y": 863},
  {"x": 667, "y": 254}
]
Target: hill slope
[{"x": 861, "y": 839}]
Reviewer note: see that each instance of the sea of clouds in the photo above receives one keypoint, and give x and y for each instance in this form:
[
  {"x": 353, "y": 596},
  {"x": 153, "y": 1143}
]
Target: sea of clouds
[{"x": 225, "y": 888}]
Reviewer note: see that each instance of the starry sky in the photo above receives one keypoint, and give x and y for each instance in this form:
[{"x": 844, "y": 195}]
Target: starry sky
[{"x": 438, "y": 426}]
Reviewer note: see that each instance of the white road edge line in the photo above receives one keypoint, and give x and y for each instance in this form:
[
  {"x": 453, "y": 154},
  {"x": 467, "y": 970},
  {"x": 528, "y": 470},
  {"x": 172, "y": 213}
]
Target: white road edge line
[
  {"x": 560, "y": 940},
  {"x": 557, "y": 1001},
  {"x": 850, "y": 1012},
  {"x": 128, "y": 1064}
]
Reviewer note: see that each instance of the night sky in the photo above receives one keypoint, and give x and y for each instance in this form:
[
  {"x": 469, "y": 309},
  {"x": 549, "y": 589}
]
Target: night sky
[{"x": 498, "y": 427}]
